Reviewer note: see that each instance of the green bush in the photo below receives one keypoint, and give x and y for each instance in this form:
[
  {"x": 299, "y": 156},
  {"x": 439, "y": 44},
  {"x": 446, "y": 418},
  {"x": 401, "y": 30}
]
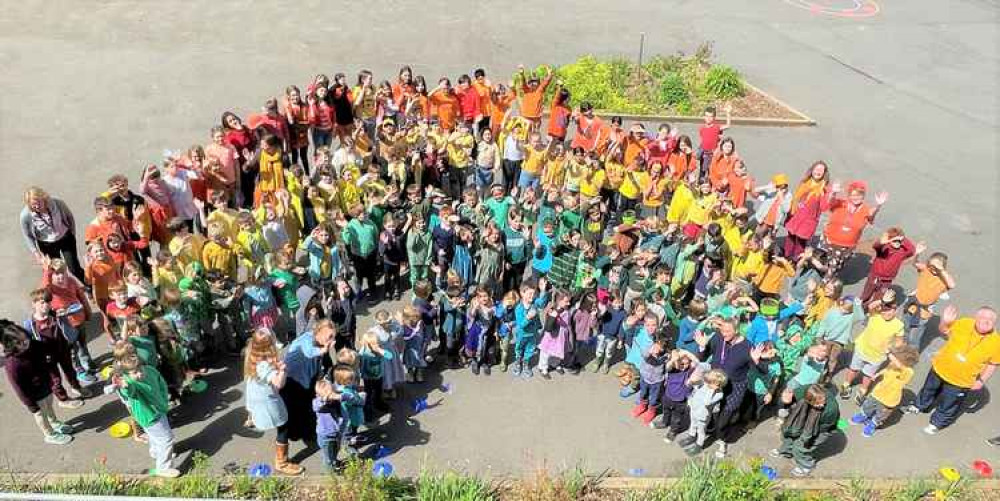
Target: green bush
[
  {"x": 673, "y": 91},
  {"x": 664, "y": 84},
  {"x": 713, "y": 480},
  {"x": 724, "y": 82},
  {"x": 450, "y": 486}
]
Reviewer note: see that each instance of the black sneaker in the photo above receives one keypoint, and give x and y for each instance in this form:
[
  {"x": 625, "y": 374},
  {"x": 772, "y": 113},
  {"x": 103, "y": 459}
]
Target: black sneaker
[
  {"x": 993, "y": 442},
  {"x": 560, "y": 370},
  {"x": 487, "y": 370},
  {"x": 693, "y": 450},
  {"x": 670, "y": 436},
  {"x": 475, "y": 367}
]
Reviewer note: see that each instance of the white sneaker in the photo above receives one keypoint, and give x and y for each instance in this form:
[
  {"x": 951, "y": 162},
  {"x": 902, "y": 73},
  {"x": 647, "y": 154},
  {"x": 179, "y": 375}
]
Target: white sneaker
[
  {"x": 911, "y": 409},
  {"x": 721, "y": 452},
  {"x": 931, "y": 429},
  {"x": 62, "y": 428},
  {"x": 58, "y": 439},
  {"x": 70, "y": 404},
  {"x": 166, "y": 473}
]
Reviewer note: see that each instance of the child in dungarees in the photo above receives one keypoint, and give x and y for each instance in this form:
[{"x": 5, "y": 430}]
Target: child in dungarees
[
  {"x": 504, "y": 312},
  {"x": 527, "y": 325}
]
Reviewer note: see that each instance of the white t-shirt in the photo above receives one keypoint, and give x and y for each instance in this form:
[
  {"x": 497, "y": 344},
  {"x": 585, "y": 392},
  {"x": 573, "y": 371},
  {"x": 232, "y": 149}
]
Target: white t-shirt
[{"x": 181, "y": 197}]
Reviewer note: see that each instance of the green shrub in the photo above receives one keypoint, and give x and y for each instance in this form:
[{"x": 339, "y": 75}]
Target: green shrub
[
  {"x": 356, "y": 483},
  {"x": 242, "y": 486},
  {"x": 723, "y": 82},
  {"x": 199, "y": 482},
  {"x": 450, "y": 486},
  {"x": 274, "y": 488},
  {"x": 709, "y": 479},
  {"x": 673, "y": 91}
]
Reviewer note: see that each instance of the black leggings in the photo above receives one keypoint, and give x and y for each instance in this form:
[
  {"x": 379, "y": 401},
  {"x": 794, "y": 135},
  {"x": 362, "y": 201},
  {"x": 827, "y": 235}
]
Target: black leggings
[
  {"x": 301, "y": 155},
  {"x": 364, "y": 267},
  {"x": 393, "y": 283}
]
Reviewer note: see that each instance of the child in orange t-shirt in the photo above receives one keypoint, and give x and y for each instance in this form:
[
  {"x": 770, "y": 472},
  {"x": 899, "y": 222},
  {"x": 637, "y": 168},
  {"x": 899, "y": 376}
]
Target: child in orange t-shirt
[
  {"x": 933, "y": 281},
  {"x": 101, "y": 272},
  {"x": 532, "y": 93}
]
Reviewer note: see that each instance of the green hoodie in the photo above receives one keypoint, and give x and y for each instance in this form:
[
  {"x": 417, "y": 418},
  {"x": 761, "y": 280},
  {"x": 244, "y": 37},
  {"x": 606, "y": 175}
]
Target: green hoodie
[{"x": 147, "y": 398}]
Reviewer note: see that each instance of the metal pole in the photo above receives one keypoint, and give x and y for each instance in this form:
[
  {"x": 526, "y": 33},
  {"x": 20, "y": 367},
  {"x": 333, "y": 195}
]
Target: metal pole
[{"x": 642, "y": 44}]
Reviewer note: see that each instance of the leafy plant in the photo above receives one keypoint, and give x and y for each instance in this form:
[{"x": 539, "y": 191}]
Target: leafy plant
[
  {"x": 709, "y": 479},
  {"x": 673, "y": 91},
  {"x": 724, "y": 82},
  {"x": 274, "y": 488},
  {"x": 451, "y": 485},
  {"x": 357, "y": 483},
  {"x": 858, "y": 489},
  {"x": 199, "y": 482},
  {"x": 242, "y": 487}
]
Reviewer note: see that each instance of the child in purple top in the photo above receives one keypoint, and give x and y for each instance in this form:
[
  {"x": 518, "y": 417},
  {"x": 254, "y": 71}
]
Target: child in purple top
[{"x": 681, "y": 375}]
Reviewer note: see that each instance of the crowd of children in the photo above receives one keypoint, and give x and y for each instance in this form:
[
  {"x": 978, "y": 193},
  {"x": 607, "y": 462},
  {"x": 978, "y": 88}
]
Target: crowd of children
[{"x": 575, "y": 238}]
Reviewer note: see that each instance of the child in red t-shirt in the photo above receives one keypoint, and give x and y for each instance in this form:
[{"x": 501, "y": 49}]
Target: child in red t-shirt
[
  {"x": 118, "y": 309},
  {"x": 710, "y": 134}
]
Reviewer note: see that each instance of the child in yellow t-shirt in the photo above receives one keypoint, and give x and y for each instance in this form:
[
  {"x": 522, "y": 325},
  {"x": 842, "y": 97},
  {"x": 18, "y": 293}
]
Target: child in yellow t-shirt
[
  {"x": 887, "y": 393},
  {"x": 554, "y": 175},
  {"x": 701, "y": 206},
  {"x": 218, "y": 253}
]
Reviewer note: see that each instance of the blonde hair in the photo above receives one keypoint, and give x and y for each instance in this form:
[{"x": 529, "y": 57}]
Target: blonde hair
[
  {"x": 344, "y": 375},
  {"x": 33, "y": 193},
  {"x": 260, "y": 347},
  {"x": 369, "y": 338},
  {"x": 347, "y": 356},
  {"x": 716, "y": 377},
  {"x": 410, "y": 315}
]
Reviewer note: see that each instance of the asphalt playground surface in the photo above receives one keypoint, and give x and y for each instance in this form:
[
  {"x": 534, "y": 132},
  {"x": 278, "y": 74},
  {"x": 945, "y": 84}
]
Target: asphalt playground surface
[{"x": 905, "y": 98}]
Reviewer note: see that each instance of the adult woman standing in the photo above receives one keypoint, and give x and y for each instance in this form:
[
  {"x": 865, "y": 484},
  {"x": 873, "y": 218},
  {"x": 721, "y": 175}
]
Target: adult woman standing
[
  {"x": 731, "y": 353},
  {"x": 303, "y": 365},
  {"x": 811, "y": 198},
  {"x": 49, "y": 229},
  {"x": 848, "y": 219},
  {"x": 240, "y": 138},
  {"x": 265, "y": 375}
]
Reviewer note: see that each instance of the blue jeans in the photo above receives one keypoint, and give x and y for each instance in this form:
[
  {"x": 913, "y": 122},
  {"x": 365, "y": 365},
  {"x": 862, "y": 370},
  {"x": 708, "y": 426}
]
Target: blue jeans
[
  {"x": 161, "y": 443},
  {"x": 329, "y": 447},
  {"x": 951, "y": 399},
  {"x": 321, "y": 137},
  {"x": 650, "y": 392},
  {"x": 527, "y": 180}
]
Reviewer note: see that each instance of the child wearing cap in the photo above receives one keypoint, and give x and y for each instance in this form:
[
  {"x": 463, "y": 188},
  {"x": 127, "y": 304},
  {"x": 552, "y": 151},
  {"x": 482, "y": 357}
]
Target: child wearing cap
[
  {"x": 882, "y": 332},
  {"x": 773, "y": 204}
]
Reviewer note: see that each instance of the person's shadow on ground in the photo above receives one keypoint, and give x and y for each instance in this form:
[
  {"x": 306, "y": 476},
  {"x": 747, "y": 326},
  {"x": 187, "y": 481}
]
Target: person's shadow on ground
[{"x": 403, "y": 428}]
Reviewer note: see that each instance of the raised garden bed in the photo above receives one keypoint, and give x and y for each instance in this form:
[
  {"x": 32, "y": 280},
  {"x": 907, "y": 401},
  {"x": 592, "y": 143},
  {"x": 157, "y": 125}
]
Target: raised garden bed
[{"x": 674, "y": 86}]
